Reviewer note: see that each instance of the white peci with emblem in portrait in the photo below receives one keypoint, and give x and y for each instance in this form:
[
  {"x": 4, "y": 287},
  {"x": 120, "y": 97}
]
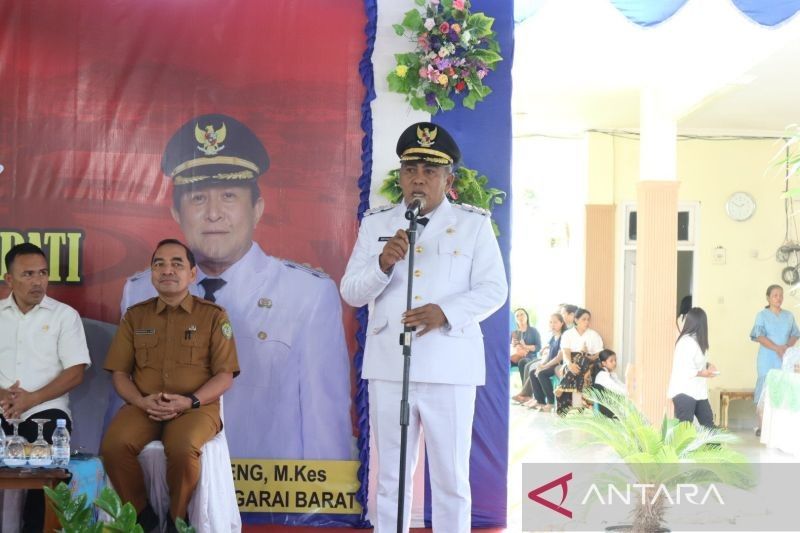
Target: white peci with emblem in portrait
[{"x": 740, "y": 206}]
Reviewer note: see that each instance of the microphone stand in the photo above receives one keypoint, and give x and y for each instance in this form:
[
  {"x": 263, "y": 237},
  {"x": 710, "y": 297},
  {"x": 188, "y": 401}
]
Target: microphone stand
[{"x": 405, "y": 341}]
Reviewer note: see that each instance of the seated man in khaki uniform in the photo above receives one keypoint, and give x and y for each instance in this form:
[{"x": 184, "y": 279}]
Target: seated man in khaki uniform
[{"x": 172, "y": 358}]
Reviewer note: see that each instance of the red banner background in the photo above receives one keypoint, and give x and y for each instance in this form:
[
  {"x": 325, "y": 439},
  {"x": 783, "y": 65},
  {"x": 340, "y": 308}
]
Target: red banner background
[{"x": 91, "y": 91}]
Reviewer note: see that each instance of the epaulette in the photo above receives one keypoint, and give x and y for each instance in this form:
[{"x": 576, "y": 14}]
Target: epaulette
[
  {"x": 305, "y": 267},
  {"x": 379, "y": 209},
  {"x": 139, "y": 275},
  {"x": 143, "y": 302},
  {"x": 473, "y": 209},
  {"x": 200, "y": 300}
]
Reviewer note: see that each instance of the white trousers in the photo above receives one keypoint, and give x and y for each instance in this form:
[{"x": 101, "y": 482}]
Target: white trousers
[{"x": 445, "y": 413}]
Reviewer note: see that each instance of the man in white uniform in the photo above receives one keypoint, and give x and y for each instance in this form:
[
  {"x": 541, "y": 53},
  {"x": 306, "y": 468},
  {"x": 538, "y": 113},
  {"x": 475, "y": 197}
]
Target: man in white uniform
[
  {"x": 43, "y": 356},
  {"x": 459, "y": 280}
]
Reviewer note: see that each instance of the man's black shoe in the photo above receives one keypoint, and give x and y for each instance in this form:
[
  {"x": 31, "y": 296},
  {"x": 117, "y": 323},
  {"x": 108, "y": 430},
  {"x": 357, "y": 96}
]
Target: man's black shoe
[{"x": 148, "y": 519}]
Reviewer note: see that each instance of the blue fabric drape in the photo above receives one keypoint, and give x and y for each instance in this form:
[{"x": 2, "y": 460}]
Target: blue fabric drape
[
  {"x": 652, "y": 12},
  {"x": 648, "y": 12},
  {"x": 362, "y": 396},
  {"x": 768, "y": 12}
]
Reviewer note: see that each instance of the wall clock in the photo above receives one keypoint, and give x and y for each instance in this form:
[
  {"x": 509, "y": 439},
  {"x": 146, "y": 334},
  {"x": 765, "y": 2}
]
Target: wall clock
[{"x": 740, "y": 206}]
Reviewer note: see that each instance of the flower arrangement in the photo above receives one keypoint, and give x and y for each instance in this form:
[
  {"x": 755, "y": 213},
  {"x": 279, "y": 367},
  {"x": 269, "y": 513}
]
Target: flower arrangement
[
  {"x": 455, "y": 50},
  {"x": 468, "y": 188}
]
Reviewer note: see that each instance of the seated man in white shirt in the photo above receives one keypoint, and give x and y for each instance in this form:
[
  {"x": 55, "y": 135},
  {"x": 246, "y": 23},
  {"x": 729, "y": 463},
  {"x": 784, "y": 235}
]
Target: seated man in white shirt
[{"x": 43, "y": 355}]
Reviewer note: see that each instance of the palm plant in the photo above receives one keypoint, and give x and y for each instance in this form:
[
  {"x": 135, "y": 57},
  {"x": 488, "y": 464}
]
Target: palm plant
[{"x": 653, "y": 455}]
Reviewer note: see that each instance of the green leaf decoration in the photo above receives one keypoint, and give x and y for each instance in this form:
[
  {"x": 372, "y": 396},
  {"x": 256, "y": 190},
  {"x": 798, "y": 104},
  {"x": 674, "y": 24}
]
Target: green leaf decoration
[
  {"x": 75, "y": 514},
  {"x": 468, "y": 188},
  {"x": 455, "y": 50},
  {"x": 413, "y": 20}
]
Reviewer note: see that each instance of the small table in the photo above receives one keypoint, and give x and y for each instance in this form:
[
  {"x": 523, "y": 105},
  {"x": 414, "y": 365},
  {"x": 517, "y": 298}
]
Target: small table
[
  {"x": 35, "y": 478},
  {"x": 726, "y": 396}
]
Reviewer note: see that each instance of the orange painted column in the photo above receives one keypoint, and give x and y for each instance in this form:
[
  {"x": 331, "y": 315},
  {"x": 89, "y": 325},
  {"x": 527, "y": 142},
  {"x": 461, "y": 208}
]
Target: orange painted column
[
  {"x": 656, "y": 286},
  {"x": 600, "y": 269}
]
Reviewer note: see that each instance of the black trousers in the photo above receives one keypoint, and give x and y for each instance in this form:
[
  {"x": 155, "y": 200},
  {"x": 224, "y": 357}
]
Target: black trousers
[
  {"x": 686, "y": 408},
  {"x": 33, "y": 514},
  {"x": 543, "y": 387}
]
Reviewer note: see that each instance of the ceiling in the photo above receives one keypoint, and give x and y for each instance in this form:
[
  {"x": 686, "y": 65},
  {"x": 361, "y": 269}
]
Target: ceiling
[{"x": 580, "y": 64}]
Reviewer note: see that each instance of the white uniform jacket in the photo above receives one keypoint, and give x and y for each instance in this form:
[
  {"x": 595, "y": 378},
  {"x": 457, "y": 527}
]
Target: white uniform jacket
[
  {"x": 457, "y": 265},
  {"x": 292, "y": 398}
]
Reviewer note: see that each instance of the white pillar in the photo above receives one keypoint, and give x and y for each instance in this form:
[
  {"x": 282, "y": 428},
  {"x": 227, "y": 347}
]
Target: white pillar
[{"x": 658, "y": 128}]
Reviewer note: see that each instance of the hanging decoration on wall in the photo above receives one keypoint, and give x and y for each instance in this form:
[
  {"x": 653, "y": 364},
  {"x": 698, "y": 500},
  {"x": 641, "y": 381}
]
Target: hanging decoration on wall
[
  {"x": 468, "y": 188},
  {"x": 455, "y": 50}
]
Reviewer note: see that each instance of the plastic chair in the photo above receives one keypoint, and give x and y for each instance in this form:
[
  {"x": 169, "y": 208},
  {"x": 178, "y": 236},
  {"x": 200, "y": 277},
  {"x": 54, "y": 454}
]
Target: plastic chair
[{"x": 213, "y": 507}]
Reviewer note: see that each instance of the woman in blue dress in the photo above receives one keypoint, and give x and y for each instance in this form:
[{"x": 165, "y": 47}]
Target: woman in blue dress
[{"x": 775, "y": 330}]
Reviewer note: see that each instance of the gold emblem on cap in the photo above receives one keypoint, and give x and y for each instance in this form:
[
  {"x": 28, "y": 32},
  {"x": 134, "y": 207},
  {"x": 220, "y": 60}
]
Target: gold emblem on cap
[
  {"x": 262, "y": 335},
  {"x": 426, "y": 137},
  {"x": 265, "y": 302},
  {"x": 451, "y": 230},
  {"x": 210, "y": 139}
]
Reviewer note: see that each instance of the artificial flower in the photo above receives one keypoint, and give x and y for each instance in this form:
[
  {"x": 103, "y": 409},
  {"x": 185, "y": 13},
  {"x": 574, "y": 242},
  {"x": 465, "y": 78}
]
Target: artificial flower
[
  {"x": 448, "y": 52},
  {"x": 423, "y": 43}
]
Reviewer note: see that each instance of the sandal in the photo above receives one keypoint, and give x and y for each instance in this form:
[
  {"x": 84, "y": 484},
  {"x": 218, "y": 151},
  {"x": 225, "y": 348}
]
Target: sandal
[
  {"x": 546, "y": 408},
  {"x": 520, "y": 398}
]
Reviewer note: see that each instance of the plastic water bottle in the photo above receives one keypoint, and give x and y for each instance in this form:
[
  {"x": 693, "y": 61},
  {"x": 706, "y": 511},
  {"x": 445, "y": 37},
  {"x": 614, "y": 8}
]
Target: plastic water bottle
[{"x": 61, "y": 444}]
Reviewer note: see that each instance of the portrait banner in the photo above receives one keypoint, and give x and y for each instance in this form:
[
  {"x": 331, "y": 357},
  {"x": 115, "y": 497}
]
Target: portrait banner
[{"x": 236, "y": 128}]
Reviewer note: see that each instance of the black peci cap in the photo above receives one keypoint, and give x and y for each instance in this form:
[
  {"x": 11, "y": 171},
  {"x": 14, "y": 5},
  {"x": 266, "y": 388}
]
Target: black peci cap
[
  {"x": 214, "y": 147},
  {"x": 425, "y": 141}
]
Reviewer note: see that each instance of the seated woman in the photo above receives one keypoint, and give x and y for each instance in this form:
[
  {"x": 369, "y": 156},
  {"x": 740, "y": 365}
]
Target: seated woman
[
  {"x": 525, "y": 343},
  {"x": 579, "y": 346},
  {"x": 540, "y": 374},
  {"x": 606, "y": 379}
]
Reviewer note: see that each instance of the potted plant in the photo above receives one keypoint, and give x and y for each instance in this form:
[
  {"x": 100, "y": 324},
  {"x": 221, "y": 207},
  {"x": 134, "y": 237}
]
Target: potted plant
[{"x": 652, "y": 455}]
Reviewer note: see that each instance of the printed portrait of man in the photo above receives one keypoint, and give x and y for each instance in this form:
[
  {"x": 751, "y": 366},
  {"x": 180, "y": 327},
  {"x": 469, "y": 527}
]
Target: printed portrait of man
[{"x": 292, "y": 398}]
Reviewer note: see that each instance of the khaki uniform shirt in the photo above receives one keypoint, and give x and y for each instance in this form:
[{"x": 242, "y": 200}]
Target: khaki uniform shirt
[{"x": 173, "y": 349}]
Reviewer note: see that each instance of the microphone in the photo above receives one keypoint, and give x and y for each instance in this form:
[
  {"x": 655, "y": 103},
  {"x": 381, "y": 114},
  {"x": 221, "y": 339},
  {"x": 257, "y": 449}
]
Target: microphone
[{"x": 414, "y": 208}]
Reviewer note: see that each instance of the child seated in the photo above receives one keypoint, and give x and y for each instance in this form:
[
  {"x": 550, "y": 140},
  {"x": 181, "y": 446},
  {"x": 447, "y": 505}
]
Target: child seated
[{"x": 606, "y": 379}]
